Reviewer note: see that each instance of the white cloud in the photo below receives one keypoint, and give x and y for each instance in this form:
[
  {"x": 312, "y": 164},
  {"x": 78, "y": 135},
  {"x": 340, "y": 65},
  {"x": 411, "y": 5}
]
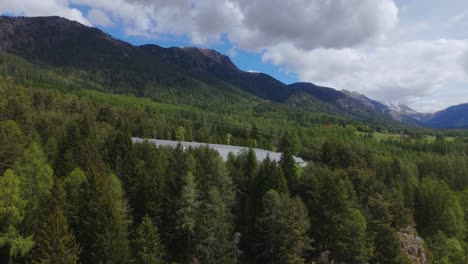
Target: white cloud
[
  {"x": 253, "y": 25},
  {"x": 98, "y": 17},
  {"x": 42, "y": 8},
  {"x": 405, "y": 72}
]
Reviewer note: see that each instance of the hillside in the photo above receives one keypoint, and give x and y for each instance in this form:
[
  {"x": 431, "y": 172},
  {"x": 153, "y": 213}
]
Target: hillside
[
  {"x": 193, "y": 76},
  {"x": 452, "y": 117},
  {"x": 175, "y": 75}
]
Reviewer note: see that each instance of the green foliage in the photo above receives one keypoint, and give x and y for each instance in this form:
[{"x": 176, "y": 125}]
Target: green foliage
[
  {"x": 438, "y": 209},
  {"x": 149, "y": 249},
  {"x": 283, "y": 229},
  {"x": 36, "y": 178},
  {"x": 12, "y": 207},
  {"x": 180, "y": 134},
  {"x": 214, "y": 230},
  {"x": 74, "y": 186},
  {"x": 12, "y": 143},
  {"x": 358, "y": 191},
  {"x": 105, "y": 222},
  {"x": 385, "y": 240},
  {"x": 188, "y": 209},
  {"x": 55, "y": 241}
]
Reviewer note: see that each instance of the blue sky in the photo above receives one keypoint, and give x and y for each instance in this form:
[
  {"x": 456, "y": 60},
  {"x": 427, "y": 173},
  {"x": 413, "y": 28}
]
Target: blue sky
[
  {"x": 402, "y": 51},
  {"x": 245, "y": 60}
]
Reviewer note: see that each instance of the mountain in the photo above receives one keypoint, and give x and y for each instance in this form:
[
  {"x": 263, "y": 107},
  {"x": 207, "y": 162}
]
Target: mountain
[
  {"x": 175, "y": 75},
  {"x": 200, "y": 77},
  {"x": 452, "y": 117},
  {"x": 405, "y": 114},
  {"x": 352, "y": 104}
]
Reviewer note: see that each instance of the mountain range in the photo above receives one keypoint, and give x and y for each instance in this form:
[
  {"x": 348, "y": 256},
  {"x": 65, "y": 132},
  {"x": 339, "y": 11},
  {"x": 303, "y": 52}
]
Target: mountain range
[{"x": 187, "y": 75}]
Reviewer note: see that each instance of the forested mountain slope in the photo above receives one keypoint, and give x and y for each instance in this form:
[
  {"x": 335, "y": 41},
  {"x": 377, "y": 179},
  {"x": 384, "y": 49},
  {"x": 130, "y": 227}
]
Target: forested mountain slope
[{"x": 176, "y": 75}]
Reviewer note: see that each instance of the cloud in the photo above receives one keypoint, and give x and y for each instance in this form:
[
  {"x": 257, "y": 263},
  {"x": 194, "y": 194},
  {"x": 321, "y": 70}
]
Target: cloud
[
  {"x": 42, "y": 8},
  {"x": 98, "y": 17},
  {"x": 312, "y": 24},
  {"x": 402, "y": 71},
  {"x": 252, "y": 25}
]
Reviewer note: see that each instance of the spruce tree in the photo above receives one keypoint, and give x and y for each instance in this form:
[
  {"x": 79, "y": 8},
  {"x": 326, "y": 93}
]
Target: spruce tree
[
  {"x": 214, "y": 230},
  {"x": 55, "y": 241},
  {"x": 147, "y": 244},
  {"x": 288, "y": 166},
  {"x": 187, "y": 213},
  {"x": 104, "y": 221}
]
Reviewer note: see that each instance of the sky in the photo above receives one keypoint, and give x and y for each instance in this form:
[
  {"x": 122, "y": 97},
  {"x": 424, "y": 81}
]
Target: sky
[{"x": 413, "y": 52}]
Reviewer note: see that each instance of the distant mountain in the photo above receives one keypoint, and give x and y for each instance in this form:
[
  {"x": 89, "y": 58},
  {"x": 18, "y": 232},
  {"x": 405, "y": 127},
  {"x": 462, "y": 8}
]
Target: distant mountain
[
  {"x": 186, "y": 75},
  {"x": 353, "y": 104},
  {"x": 452, "y": 117},
  {"x": 405, "y": 114}
]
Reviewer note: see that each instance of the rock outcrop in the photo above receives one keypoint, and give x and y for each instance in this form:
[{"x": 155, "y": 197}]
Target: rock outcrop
[{"x": 413, "y": 246}]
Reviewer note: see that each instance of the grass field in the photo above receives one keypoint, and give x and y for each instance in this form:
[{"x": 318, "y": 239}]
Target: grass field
[{"x": 387, "y": 136}]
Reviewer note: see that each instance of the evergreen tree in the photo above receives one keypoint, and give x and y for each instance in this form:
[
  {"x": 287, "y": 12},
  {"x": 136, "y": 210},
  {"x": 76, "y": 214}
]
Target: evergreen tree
[
  {"x": 438, "y": 209},
  {"x": 337, "y": 225},
  {"x": 288, "y": 166},
  {"x": 36, "y": 178},
  {"x": 349, "y": 242},
  {"x": 55, "y": 241},
  {"x": 74, "y": 187},
  {"x": 179, "y": 166},
  {"x": 104, "y": 223},
  {"x": 12, "y": 207},
  {"x": 12, "y": 141},
  {"x": 186, "y": 215},
  {"x": 214, "y": 230},
  {"x": 385, "y": 239},
  {"x": 283, "y": 229},
  {"x": 148, "y": 247}
]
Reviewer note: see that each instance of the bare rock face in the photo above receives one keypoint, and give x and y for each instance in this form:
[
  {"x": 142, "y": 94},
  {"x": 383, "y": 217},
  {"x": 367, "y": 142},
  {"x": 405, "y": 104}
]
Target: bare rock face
[
  {"x": 412, "y": 246},
  {"x": 324, "y": 258}
]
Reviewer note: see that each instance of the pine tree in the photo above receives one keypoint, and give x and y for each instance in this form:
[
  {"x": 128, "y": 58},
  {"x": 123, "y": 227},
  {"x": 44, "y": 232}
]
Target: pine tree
[
  {"x": 55, "y": 241},
  {"x": 11, "y": 215},
  {"x": 149, "y": 249},
  {"x": 186, "y": 215}
]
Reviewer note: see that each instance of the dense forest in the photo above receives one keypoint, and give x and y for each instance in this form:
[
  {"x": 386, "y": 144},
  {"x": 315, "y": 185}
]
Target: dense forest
[{"x": 75, "y": 189}]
